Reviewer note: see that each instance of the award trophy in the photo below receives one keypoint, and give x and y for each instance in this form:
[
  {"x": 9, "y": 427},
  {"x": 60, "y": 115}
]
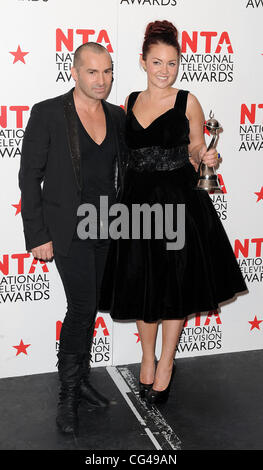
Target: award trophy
[{"x": 208, "y": 179}]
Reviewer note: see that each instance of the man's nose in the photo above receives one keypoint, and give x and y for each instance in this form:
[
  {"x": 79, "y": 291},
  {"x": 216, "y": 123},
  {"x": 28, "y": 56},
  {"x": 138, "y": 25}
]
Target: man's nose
[{"x": 101, "y": 79}]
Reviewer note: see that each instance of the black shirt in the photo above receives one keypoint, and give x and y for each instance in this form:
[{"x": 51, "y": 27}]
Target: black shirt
[{"x": 98, "y": 165}]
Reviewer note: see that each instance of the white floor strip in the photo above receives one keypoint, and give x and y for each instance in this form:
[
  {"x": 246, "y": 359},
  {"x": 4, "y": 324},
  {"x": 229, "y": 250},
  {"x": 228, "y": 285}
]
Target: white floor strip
[
  {"x": 124, "y": 389},
  {"x": 152, "y": 420}
]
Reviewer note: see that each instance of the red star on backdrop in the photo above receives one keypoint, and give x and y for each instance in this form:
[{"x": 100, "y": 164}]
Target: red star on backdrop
[
  {"x": 260, "y": 194},
  {"x": 21, "y": 348},
  {"x": 255, "y": 323},
  {"x": 138, "y": 337},
  {"x": 17, "y": 207},
  {"x": 19, "y": 55}
]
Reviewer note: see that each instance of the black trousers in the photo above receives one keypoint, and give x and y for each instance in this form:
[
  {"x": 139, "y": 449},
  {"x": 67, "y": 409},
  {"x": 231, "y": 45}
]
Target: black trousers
[{"x": 81, "y": 272}]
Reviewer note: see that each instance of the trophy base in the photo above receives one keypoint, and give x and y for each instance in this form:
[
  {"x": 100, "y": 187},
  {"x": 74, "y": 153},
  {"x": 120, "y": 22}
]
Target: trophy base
[{"x": 209, "y": 183}]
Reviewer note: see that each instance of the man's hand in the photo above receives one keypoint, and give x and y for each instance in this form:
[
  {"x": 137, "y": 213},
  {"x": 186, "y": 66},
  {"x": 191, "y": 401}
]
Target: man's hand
[{"x": 43, "y": 252}]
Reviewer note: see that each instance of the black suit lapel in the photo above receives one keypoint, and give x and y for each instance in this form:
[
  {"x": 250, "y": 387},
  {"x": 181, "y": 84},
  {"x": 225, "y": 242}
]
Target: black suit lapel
[
  {"x": 72, "y": 133},
  {"x": 116, "y": 135},
  {"x": 73, "y": 138}
]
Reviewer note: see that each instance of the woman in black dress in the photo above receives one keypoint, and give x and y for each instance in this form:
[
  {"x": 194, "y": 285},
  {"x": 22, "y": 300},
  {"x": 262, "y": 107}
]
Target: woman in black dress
[{"x": 143, "y": 280}]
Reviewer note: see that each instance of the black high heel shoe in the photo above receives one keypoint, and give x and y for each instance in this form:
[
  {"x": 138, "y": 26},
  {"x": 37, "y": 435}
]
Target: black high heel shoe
[
  {"x": 144, "y": 389},
  {"x": 155, "y": 396}
]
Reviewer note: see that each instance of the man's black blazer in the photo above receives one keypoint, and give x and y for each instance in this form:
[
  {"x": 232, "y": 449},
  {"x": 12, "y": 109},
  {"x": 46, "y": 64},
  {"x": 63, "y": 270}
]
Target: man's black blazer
[{"x": 50, "y": 171}]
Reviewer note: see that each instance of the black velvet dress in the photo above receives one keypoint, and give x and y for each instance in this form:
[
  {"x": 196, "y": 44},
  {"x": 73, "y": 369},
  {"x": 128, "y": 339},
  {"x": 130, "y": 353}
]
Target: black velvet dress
[{"x": 143, "y": 279}]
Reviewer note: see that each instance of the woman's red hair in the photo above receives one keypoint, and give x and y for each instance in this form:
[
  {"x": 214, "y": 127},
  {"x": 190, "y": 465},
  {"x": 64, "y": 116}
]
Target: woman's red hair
[{"x": 160, "y": 31}]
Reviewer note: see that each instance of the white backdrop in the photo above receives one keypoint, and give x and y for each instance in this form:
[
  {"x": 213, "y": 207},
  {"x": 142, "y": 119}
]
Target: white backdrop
[{"x": 221, "y": 64}]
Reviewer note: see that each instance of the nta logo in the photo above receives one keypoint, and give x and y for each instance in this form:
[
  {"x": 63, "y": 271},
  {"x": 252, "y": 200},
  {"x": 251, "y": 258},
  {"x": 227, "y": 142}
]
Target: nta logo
[
  {"x": 68, "y": 39},
  {"x": 99, "y": 323},
  {"x": 251, "y": 128},
  {"x": 206, "y": 56}
]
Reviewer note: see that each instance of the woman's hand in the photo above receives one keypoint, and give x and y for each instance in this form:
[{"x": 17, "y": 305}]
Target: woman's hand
[{"x": 210, "y": 157}]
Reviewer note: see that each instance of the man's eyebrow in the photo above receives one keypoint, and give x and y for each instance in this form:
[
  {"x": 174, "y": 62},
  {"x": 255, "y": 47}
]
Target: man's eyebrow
[{"x": 96, "y": 70}]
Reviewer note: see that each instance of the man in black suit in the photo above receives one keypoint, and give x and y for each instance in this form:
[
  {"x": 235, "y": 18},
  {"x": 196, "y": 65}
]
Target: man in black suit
[{"x": 73, "y": 153}]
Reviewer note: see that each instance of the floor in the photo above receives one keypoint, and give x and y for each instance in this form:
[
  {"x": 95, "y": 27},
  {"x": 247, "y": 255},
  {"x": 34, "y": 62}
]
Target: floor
[{"x": 215, "y": 403}]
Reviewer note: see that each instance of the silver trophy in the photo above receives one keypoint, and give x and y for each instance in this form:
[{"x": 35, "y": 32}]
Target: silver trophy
[{"x": 208, "y": 179}]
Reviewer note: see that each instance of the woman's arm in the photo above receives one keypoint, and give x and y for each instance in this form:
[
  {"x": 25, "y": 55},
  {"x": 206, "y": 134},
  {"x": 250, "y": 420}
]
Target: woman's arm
[
  {"x": 126, "y": 104},
  {"x": 197, "y": 147}
]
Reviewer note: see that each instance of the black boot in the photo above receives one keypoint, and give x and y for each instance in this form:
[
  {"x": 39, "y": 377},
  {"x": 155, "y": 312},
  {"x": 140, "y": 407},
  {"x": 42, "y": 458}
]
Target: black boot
[
  {"x": 87, "y": 391},
  {"x": 69, "y": 369}
]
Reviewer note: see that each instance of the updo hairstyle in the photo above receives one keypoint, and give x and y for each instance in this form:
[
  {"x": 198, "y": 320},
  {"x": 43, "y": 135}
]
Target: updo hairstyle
[{"x": 160, "y": 31}]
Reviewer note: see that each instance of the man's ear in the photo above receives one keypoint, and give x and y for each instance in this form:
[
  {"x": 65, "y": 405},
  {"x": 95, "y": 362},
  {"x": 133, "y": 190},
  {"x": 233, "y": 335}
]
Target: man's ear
[{"x": 74, "y": 73}]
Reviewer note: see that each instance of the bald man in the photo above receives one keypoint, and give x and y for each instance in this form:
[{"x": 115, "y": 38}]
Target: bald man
[{"x": 74, "y": 145}]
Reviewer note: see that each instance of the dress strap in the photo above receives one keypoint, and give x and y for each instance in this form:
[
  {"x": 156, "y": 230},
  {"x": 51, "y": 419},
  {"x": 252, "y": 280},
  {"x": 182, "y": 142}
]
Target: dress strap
[
  {"x": 181, "y": 100},
  {"x": 132, "y": 99}
]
